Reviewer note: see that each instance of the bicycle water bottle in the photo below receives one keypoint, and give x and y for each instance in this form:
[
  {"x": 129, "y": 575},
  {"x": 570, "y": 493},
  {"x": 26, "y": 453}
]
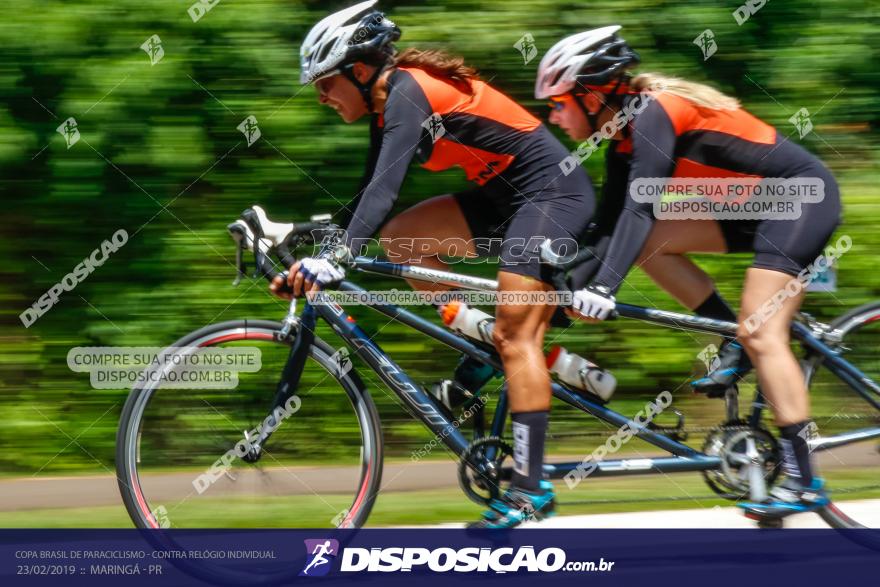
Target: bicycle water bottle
[
  {"x": 471, "y": 322},
  {"x": 580, "y": 373}
]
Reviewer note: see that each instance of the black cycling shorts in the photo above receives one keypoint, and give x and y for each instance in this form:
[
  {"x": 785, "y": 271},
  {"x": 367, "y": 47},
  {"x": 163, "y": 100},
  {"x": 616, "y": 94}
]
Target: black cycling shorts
[
  {"x": 512, "y": 225},
  {"x": 788, "y": 246}
]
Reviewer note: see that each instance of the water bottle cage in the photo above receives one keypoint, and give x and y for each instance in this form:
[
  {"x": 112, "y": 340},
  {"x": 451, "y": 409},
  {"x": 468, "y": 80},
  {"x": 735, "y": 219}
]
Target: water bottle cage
[
  {"x": 589, "y": 386},
  {"x": 484, "y": 327},
  {"x": 582, "y": 375}
]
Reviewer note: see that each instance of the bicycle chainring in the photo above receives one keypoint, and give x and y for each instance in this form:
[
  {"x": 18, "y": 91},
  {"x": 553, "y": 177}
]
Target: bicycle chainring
[
  {"x": 728, "y": 442},
  {"x": 479, "y": 471}
]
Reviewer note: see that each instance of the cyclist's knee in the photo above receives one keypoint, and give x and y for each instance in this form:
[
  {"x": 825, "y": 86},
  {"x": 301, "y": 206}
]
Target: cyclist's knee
[
  {"x": 762, "y": 339},
  {"x": 510, "y": 338}
]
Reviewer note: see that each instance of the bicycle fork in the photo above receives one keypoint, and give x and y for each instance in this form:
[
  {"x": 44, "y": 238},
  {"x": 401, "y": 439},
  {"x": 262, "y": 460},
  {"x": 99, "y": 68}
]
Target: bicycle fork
[{"x": 290, "y": 375}]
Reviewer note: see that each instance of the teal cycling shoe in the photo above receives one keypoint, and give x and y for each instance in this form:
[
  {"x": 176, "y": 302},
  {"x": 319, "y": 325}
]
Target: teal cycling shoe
[
  {"x": 788, "y": 498},
  {"x": 517, "y": 506},
  {"x": 732, "y": 365}
]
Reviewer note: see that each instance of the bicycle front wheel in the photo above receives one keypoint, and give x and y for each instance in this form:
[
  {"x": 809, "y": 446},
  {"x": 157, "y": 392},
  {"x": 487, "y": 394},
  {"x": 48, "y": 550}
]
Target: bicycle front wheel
[
  {"x": 177, "y": 463},
  {"x": 852, "y": 470}
]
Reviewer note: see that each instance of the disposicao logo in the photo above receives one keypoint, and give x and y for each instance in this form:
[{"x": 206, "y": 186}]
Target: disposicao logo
[{"x": 321, "y": 553}]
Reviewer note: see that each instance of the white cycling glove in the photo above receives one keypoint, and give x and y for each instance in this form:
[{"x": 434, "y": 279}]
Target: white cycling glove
[
  {"x": 320, "y": 271},
  {"x": 593, "y": 301}
]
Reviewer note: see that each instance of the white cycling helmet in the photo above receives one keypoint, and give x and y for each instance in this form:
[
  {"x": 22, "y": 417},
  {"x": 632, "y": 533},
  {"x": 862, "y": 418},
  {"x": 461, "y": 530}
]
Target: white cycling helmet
[
  {"x": 355, "y": 33},
  {"x": 591, "y": 58}
]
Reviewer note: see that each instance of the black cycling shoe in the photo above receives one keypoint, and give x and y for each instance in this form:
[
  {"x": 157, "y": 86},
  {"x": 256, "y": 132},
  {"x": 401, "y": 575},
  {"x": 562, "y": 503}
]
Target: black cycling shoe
[
  {"x": 450, "y": 395},
  {"x": 732, "y": 365},
  {"x": 469, "y": 378}
]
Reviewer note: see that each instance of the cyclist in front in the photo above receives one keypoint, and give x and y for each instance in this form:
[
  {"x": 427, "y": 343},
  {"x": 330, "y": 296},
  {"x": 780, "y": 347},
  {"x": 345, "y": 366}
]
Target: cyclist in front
[
  {"x": 430, "y": 106},
  {"x": 684, "y": 129}
]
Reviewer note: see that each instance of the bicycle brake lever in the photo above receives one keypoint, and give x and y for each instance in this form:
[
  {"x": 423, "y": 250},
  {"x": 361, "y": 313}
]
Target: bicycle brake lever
[
  {"x": 238, "y": 232},
  {"x": 240, "y": 268}
]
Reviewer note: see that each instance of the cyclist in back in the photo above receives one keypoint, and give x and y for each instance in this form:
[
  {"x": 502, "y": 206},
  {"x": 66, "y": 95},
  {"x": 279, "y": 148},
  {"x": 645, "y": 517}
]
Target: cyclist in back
[
  {"x": 432, "y": 107},
  {"x": 557, "y": 81},
  {"x": 682, "y": 129}
]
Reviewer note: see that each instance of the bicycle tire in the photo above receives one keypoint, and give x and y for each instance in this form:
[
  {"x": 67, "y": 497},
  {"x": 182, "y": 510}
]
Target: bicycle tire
[{"x": 241, "y": 330}]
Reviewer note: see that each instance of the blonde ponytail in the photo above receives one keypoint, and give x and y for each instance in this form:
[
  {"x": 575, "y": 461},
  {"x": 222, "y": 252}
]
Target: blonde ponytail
[{"x": 700, "y": 94}]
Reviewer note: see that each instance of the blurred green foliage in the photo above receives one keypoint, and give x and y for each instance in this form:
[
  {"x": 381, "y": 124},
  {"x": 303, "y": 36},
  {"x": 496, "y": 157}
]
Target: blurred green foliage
[{"x": 161, "y": 157}]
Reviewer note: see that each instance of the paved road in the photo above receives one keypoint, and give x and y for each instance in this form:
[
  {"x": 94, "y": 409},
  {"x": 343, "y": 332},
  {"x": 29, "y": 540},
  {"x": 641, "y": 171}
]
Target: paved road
[
  {"x": 100, "y": 490},
  {"x": 866, "y": 512}
]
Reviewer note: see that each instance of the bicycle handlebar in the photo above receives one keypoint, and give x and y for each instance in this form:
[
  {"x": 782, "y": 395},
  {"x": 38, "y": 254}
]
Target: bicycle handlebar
[{"x": 255, "y": 232}]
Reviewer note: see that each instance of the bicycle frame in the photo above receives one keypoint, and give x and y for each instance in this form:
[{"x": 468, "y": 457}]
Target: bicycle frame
[{"x": 423, "y": 407}]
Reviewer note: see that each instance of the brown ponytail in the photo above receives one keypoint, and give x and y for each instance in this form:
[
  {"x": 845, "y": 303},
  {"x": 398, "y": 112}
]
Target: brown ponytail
[{"x": 439, "y": 64}]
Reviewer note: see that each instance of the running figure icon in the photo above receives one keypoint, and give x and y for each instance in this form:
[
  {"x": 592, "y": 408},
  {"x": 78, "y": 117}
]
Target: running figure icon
[{"x": 320, "y": 553}]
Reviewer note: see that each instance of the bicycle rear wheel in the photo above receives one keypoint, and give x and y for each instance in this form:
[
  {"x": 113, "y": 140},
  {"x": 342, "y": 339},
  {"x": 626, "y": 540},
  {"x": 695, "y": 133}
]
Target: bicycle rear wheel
[
  {"x": 320, "y": 468},
  {"x": 851, "y": 471}
]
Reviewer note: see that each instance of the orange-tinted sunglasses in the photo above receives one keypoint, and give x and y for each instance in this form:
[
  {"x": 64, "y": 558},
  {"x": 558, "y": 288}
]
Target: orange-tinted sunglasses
[{"x": 559, "y": 102}]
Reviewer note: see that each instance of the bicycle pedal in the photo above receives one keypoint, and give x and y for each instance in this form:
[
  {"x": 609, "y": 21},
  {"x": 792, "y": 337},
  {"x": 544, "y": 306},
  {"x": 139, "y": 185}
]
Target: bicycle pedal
[
  {"x": 764, "y": 521},
  {"x": 714, "y": 391}
]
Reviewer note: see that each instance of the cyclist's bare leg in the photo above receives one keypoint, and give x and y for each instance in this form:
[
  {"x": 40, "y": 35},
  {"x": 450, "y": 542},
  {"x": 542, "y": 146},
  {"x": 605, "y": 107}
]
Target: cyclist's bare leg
[
  {"x": 767, "y": 342},
  {"x": 519, "y": 336},
  {"x": 440, "y": 229},
  {"x": 662, "y": 258}
]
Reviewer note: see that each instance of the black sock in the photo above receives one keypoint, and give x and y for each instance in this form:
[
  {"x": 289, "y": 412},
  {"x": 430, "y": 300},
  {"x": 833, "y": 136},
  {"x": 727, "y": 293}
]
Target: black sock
[
  {"x": 716, "y": 308},
  {"x": 796, "y": 451},
  {"x": 529, "y": 433}
]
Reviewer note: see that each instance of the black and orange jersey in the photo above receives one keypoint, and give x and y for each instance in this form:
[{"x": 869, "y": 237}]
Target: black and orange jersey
[
  {"x": 674, "y": 137},
  {"x": 497, "y": 143}
]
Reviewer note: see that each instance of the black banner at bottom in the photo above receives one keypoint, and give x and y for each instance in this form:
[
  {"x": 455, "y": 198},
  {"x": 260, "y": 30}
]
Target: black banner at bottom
[{"x": 715, "y": 558}]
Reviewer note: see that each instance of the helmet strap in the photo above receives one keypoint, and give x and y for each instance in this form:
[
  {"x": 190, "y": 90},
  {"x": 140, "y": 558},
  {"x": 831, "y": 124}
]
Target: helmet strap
[
  {"x": 626, "y": 130},
  {"x": 366, "y": 89},
  {"x": 621, "y": 100},
  {"x": 592, "y": 117}
]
